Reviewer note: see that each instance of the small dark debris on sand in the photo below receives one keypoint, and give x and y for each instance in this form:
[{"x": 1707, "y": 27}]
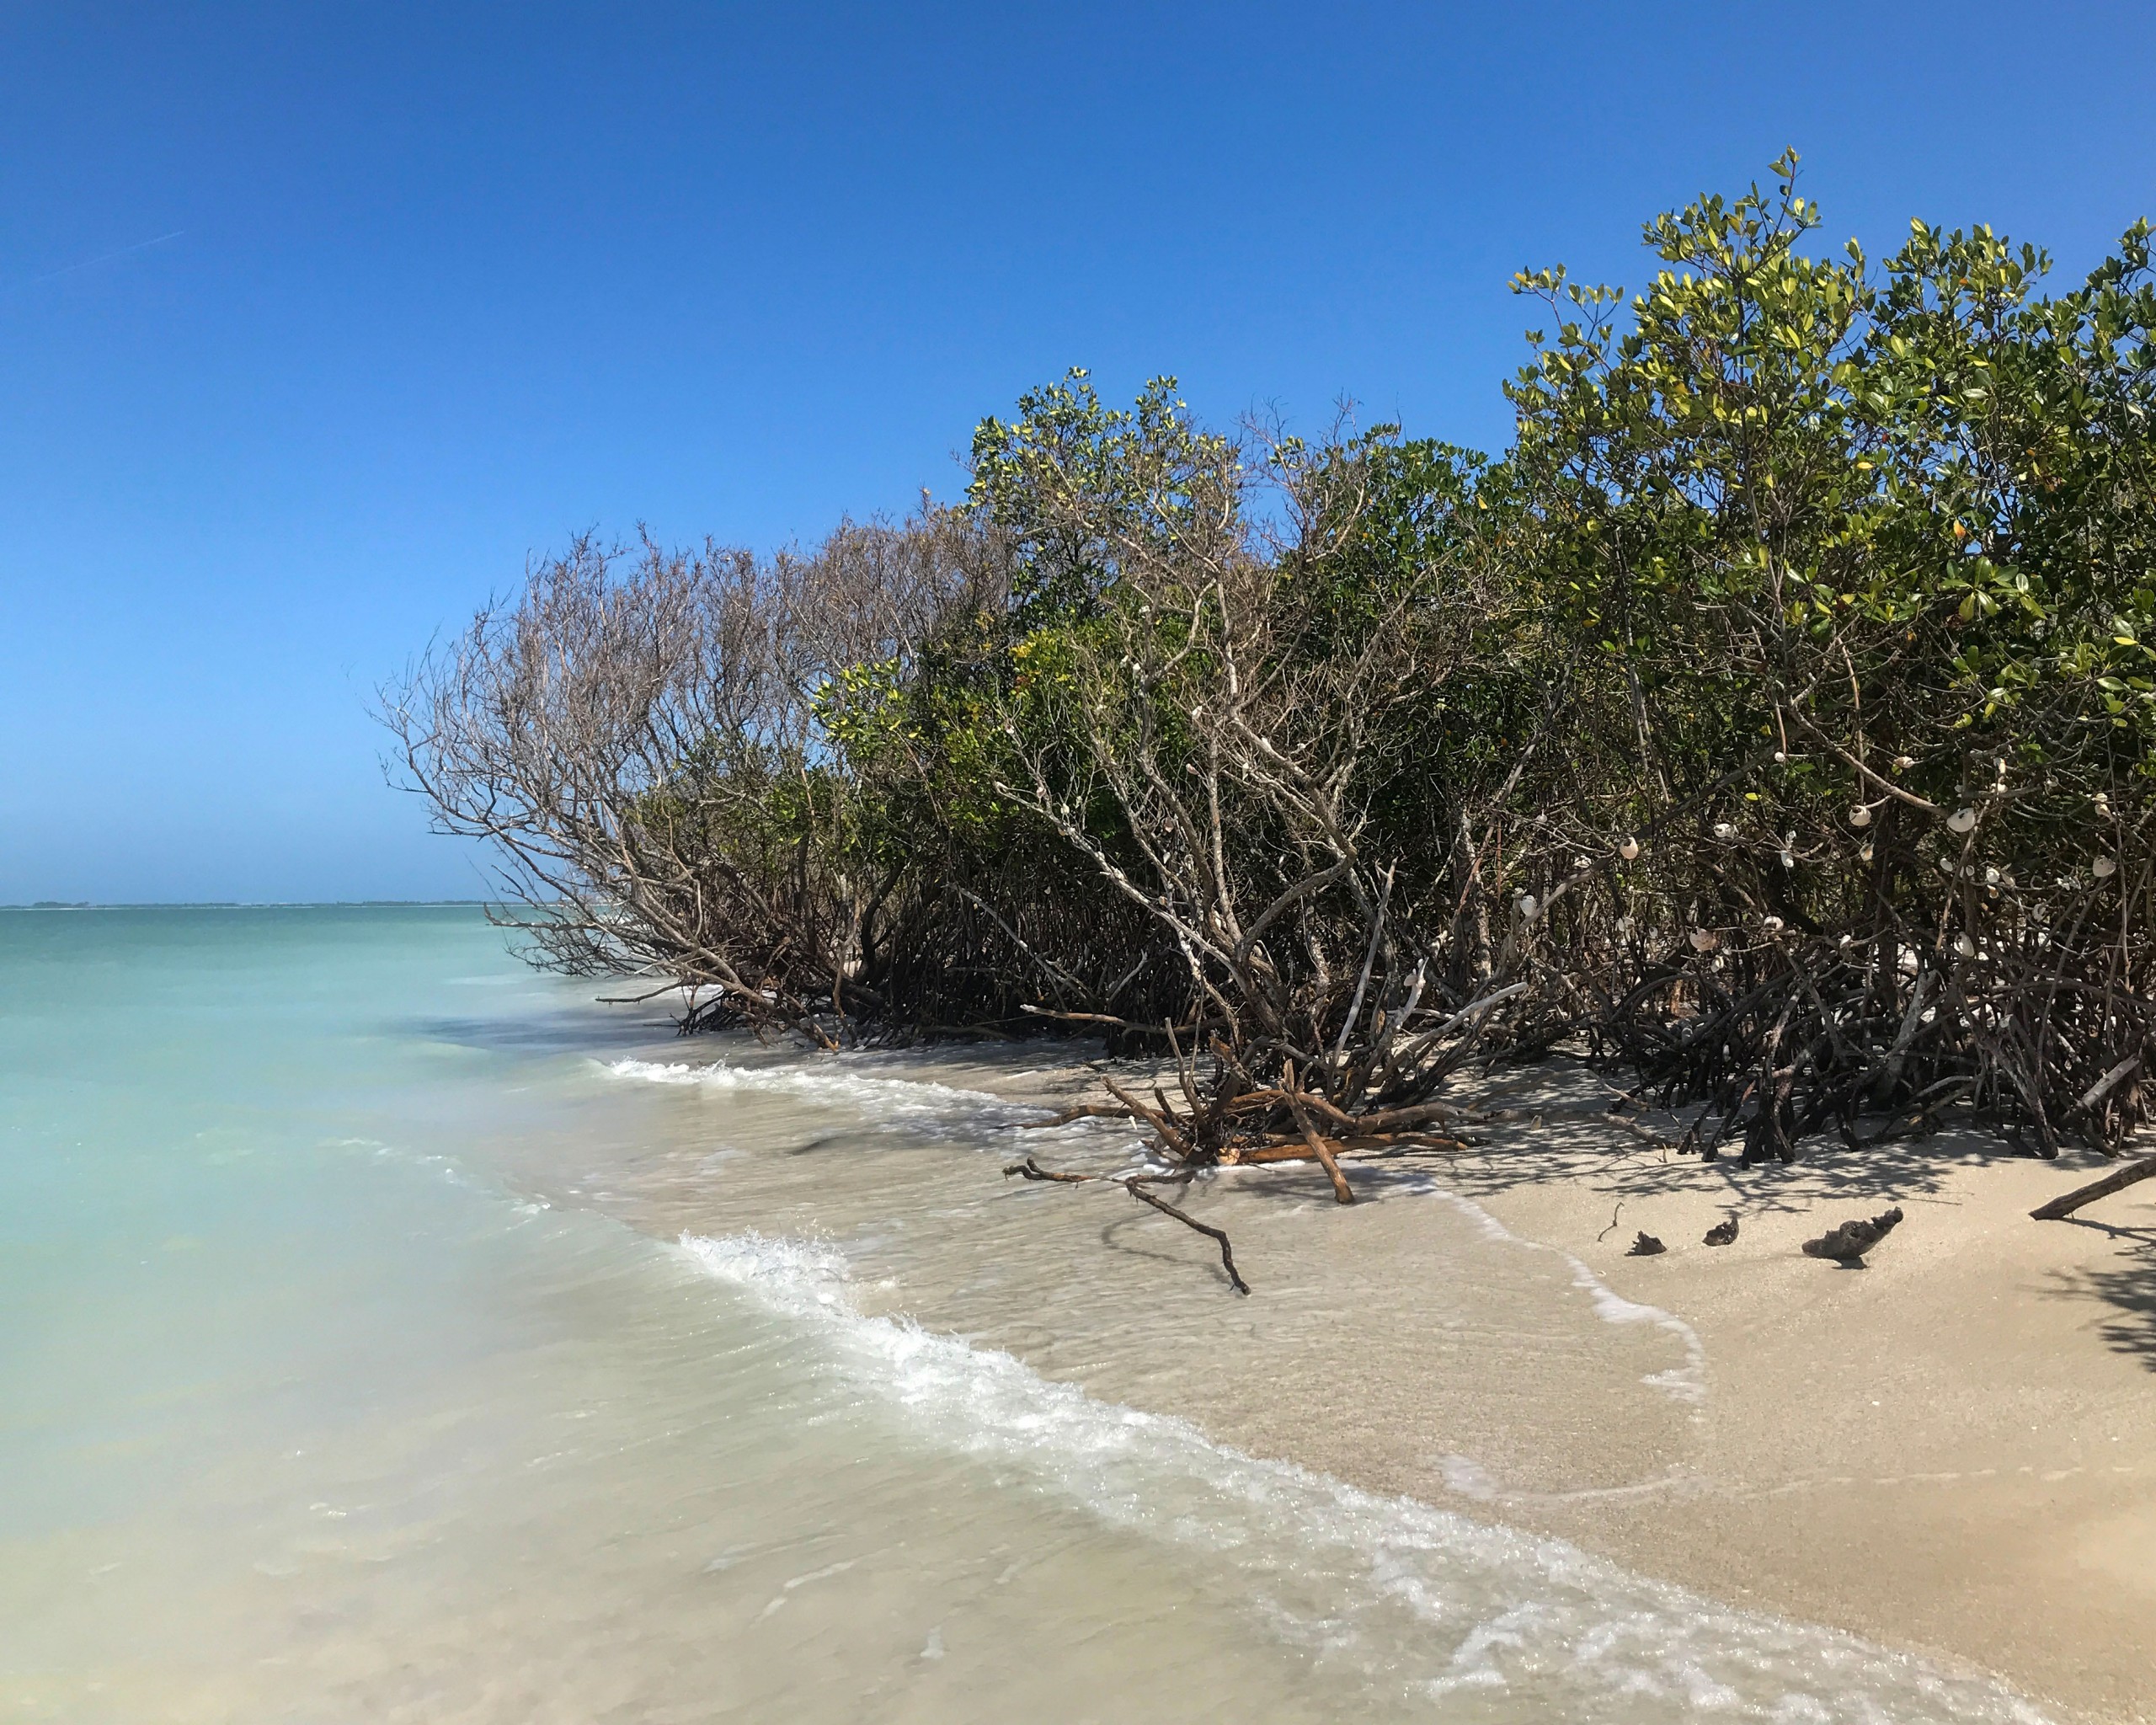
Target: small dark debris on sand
[
  {"x": 1646, "y": 1246},
  {"x": 1723, "y": 1233},
  {"x": 1851, "y": 1240}
]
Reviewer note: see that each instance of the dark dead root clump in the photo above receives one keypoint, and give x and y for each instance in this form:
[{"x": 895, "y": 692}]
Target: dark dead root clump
[{"x": 1849, "y": 1241}]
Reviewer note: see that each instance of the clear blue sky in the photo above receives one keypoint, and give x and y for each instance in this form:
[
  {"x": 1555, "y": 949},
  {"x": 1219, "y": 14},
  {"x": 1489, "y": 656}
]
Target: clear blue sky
[{"x": 316, "y": 320}]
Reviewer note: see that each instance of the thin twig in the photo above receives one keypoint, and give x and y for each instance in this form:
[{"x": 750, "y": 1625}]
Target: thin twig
[{"x": 1134, "y": 1185}]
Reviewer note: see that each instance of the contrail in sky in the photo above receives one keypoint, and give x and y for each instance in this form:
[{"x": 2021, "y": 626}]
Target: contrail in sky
[{"x": 143, "y": 245}]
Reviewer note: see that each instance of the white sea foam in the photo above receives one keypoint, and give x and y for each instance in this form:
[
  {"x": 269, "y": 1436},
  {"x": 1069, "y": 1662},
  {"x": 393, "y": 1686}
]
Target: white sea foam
[
  {"x": 1408, "y": 1593},
  {"x": 1687, "y": 1382},
  {"x": 902, "y": 1102},
  {"x": 919, "y": 1106},
  {"x": 885, "y": 1101}
]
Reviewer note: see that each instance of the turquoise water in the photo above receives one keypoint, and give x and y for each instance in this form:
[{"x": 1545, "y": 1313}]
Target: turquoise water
[{"x": 379, "y": 1343}]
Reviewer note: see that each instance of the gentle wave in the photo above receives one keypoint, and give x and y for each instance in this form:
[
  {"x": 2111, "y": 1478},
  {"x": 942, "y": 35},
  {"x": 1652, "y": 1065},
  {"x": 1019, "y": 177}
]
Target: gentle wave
[
  {"x": 1413, "y": 1594},
  {"x": 886, "y": 1099},
  {"x": 1686, "y": 1383},
  {"x": 900, "y": 1101},
  {"x": 895, "y": 1104}
]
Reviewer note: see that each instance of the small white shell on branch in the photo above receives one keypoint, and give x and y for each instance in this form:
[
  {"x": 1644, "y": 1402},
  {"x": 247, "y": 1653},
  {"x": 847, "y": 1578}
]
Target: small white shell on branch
[
  {"x": 1780, "y": 759},
  {"x": 1773, "y": 925},
  {"x": 1859, "y": 816},
  {"x": 1902, "y": 763},
  {"x": 1704, "y": 940},
  {"x": 1628, "y": 847},
  {"x": 1724, "y": 830},
  {"x": 1962, "y": 820},
  {"x": 1863, "y": 853},
  {"x": 2103, "y": 868},
  {"x": 1966, "y": 946},
  {"x": 1528, "y": 907}
]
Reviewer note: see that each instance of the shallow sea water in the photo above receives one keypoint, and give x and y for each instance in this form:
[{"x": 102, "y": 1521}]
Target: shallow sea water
[{"x": 391, "y": 1333}]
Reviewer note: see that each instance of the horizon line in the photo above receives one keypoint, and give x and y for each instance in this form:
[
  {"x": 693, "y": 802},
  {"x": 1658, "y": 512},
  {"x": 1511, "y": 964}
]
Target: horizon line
[{"x": 240, "y": 904}]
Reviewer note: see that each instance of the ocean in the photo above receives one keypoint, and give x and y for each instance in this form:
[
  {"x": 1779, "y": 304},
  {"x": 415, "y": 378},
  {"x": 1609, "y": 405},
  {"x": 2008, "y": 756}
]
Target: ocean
[{"x": 389, "y": 1331}]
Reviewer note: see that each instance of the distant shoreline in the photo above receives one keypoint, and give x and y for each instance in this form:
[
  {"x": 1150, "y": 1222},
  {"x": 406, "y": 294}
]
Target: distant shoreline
[{"x": 250, "y": 905}]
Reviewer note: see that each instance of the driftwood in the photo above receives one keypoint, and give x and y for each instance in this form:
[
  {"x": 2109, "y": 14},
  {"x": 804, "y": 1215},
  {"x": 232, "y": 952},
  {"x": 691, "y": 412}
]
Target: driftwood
[
  {"x": 1084, "y": 1111},
  {"x": 1135, "y": 1185},
  {"x": 1723, "y": 1233},
  {"x": 1341, "y": 1193},
  {"x": 1384, "y": 1120},
  {"x": 1646, "y": 1246},
  {"x": 1851, "y": 1240},
  {"x": 1359, "y": 1144},
  {"x": 2066, "y": 1203}
]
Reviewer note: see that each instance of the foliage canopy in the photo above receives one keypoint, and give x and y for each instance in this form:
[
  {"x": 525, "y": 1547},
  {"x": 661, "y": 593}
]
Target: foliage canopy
[{"x": 1774, "y": 714}]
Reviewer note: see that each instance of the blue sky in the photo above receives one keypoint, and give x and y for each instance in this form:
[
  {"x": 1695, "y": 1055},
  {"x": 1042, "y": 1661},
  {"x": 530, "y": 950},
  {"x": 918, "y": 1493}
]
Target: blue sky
[{"x": 317, "y": 321}]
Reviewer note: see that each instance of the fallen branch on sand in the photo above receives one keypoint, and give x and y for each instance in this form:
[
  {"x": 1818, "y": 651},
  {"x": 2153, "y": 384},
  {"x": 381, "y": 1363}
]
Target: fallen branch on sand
[
  {"x": 2066, "y": 1203},
  {"x": 1135, "y": 1185},
  {"x": 1341, "y": 1193}
]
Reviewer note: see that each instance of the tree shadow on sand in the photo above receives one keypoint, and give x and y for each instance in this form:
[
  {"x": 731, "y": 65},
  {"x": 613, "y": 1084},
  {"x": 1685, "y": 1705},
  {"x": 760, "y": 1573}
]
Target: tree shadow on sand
[
  {"x": 1563, "y": 1129},
  {"x": 1556, "y": 1126},
  {"x": 1600, "y": 1155},
  {"x": 2126, "y": 1285}
]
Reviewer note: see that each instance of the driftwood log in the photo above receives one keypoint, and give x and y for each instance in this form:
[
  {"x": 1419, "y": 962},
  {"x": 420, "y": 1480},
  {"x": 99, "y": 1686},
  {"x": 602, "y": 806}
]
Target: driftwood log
[{"x": 2066, "y": 1203}]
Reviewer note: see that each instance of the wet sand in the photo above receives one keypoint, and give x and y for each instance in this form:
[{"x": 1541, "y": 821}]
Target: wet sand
[
  {"x": 1952, "y": 1449},
  {"x": 1949, "y": 1450}
]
